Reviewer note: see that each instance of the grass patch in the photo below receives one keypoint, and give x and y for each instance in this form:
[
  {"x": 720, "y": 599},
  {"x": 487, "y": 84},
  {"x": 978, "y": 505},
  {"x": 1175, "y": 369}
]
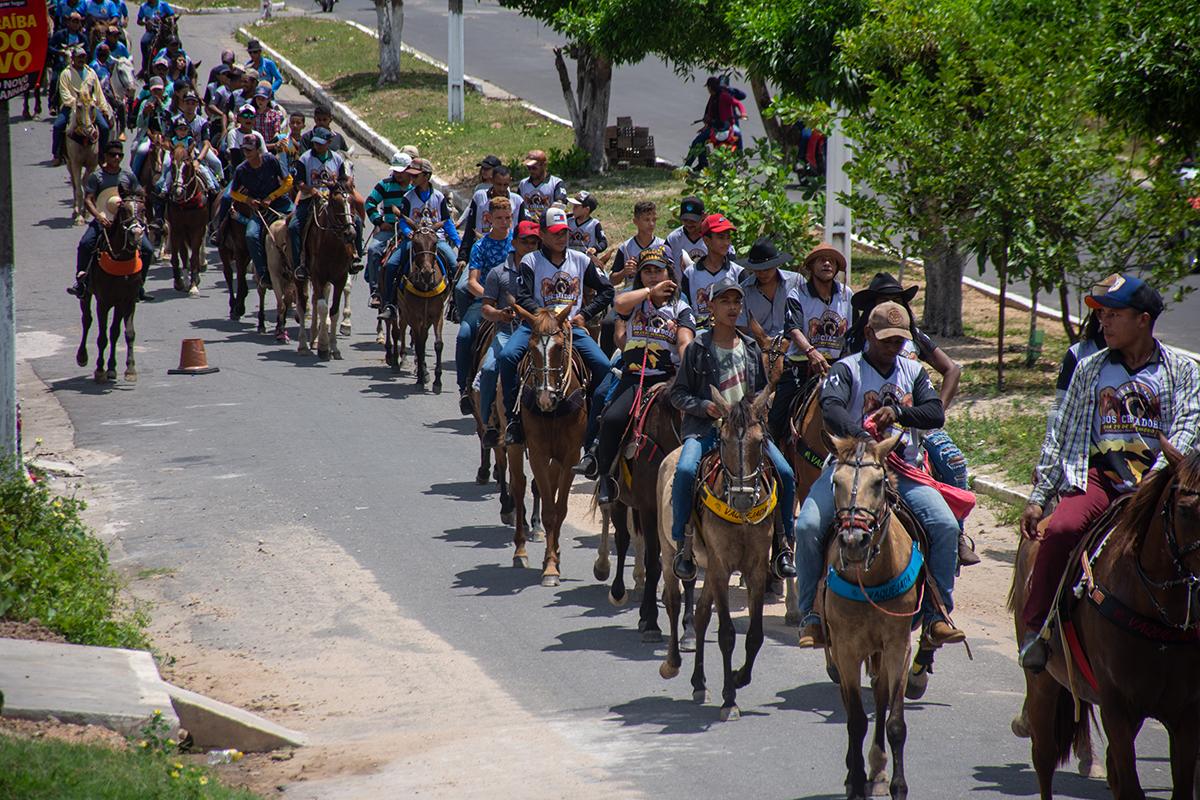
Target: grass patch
[
  {"x": 1012, "y": 443},
  {"x": 53, "y": 570},
  {"x": 155, "y": 572},
  {"x": 346, "y": 61},
  {"x": 45, "y": 769}
]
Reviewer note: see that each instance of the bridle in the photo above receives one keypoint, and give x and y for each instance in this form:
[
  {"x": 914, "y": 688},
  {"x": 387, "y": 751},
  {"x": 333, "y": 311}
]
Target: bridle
[
  {"x": 414, "y": 252},
  {"x": 130, "y": 230},
  {"x": 873, "y": 521},
  {"x": 551, "y": 379},
  {"x": 775, "y": 352},
  {"x": 1184, "y": 576},
  {"x": 184, "y": 190},
  {"x": 742, "y": 488}
]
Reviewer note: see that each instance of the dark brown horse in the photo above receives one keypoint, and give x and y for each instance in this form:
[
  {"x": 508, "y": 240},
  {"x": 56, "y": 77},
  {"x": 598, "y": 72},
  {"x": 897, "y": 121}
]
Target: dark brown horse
[
  {"x": 1138, "y": 627},
  {"x": 553, "y": 408},
  {"x": 235, "y": 255},
  {"x": 328, "y": 251},
  {"x": 421, "y": 299},
  {"x": 114, "y": 280},
  {"x": 187, "y": 219}
]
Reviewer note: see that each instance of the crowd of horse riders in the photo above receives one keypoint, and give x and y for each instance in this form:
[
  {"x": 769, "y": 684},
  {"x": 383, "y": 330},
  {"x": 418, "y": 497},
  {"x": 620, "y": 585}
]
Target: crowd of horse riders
[{"x": 749, "y": 385}]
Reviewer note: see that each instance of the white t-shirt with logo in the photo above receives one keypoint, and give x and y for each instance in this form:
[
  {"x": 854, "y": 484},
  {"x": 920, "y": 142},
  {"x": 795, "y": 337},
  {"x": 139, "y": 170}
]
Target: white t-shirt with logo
[
  {"x": 872, "y": 391},
  {"x": 558, "y": 286},
  {"x": 1127, "y": 422}
]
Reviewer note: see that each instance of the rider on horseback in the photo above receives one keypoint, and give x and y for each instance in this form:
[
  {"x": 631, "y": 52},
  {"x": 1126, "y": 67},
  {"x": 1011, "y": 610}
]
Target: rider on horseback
[
  {"x": 554, "y": 277},
  {"x": 201, "y": 132},
  {"x": 112, "y": 38},
  {"x": 182, "y": 134},
  {"x": 318, "y": 168},
  {"x": 267, "y": 71},
  {"x": 261, "y": 183},
  {"x": 768, "y": 288},
  {"x": 149, "y": 15},
  {"x": 659, "y": 327},
  {"x": 730, "y": 362},
  {"x": 1106, "y": 438},
  {"x": 383, "y": 206},
  {"x": 422, "y": 203},
  {"x": 879, "y": 386},
  {"x": 78, "y": 80},
  {"x": 488, "y": 253}
]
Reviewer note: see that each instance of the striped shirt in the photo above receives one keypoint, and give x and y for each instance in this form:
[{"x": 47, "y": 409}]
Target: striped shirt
[
  {"x": 1064, "y": 463},
  {"x": 384, "y": 200}
]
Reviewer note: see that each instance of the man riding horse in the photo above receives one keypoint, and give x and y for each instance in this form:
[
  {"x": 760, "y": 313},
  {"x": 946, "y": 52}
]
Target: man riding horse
[
  {"x": 1106, "y": 438},
  {"x": 260, "y": 183},
  {"x": 488, "y": 253},
  {"x": 879, "y": 389},
  {"x": 319, "y": 167},
  {"x": 383, "y": 209},
  {"x": 77, "y": 80}
]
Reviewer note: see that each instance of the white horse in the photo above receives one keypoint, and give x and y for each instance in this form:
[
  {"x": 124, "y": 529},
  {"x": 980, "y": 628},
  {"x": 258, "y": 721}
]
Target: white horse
[
  {"x": 122, "y": 88},
  {"x": 82, "y": 143}
]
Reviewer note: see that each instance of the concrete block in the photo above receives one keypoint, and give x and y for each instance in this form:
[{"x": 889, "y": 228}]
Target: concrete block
[{"x": 213, "y": 724}]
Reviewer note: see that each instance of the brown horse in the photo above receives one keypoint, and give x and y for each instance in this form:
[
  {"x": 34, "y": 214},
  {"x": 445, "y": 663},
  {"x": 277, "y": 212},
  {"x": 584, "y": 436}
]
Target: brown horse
[
  {"x": 421, "y": 299},
  {"x": 328, "y": 251},
  {"x": 1138, "y": 626},
  {"x": 235, "y": 255},
  {"x": 187, "y": 219},
  {"x": 553, "y": 407},
  {"x": 81, "y": 147},
  {"x": 283, "y": 284},
  {"x": 739, "y": 538},
  {"x": 149, "y": 175},
  {"x": 870, "y": 549},
  {"x": 115, "y": 285}
]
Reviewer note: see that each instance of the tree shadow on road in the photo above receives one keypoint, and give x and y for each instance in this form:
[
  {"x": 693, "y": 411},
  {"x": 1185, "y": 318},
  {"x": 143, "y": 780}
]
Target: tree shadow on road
[
  {"x": 495, "y": 580},
  {"x": 615, "y": 640},
  {"x": 494, "y": 537}
]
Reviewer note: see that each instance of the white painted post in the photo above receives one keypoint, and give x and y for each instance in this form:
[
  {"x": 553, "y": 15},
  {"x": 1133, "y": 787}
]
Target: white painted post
[
  {"x": 837, "y": 214},
  {"x": 455, "y": 55}
]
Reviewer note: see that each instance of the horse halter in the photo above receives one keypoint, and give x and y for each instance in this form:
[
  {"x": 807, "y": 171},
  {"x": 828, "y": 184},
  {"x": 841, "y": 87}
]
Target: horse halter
[
  {"x": 342, "y": 223},
  {"x": 183, "y": 190},
  {"x": 553, "y": 379},
  {"x": 774, "y": 353},
  {"x": 414, "y": 252},
  {"x": 854, "y": 516},
  {"x": 1184, "y": 576},
  {"x": 742, "y": 489},
  {"x": 130, "y": 229}
]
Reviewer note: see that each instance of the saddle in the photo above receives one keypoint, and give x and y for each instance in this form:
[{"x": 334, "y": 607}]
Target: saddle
[
  {"x": 121, "y": 268},
  {"x": 705, "y": 495},
  {"x": 634, "y": 442},
  {"x": 795, "y": 419}
]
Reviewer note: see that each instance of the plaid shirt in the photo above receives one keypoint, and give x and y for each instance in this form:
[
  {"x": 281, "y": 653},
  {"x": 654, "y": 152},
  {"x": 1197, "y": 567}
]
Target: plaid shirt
[{"x": 1064, "y": 463}]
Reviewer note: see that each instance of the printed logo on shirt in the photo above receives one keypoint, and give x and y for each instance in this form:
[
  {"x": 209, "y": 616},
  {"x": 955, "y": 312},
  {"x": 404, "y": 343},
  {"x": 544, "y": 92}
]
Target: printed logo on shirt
[
  {"x": 696, "y": 253},
  {"x": 828, "y": 331},
  {"x": 889, "y": 394},
  {"x": 702, "y": 296},
  {"x": 579, "y": 239},
  {"x": 1131, "y": 408},
  {"x": 537, "y": 202},
  {"x": 560, "y": 289}
]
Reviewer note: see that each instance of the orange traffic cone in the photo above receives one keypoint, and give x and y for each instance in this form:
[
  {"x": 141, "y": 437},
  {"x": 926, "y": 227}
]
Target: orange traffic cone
[{"x": 192, "y": 359}]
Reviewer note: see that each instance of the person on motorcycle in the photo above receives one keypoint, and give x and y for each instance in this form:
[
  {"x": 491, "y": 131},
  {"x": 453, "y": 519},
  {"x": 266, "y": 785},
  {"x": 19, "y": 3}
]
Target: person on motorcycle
[
  {"x": 150, "y": 13},
  {"x": 267, "y": 70},
  {"x": 261, "y": 183},
  {"x": 318, "y": 168},
  {"x": 75, "y": 80},
  {"x": 721, "y": 115}
]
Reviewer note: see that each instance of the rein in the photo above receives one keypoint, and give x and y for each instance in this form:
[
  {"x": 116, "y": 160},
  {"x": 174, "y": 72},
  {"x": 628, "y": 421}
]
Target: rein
[
  {"x": 128, "y": 231},
  {"x": 560, "y": 375},
  {"x": 1184, "y": 576},
  {"x": 852, "y": 516},
  {"x": 413, "y": 253}
]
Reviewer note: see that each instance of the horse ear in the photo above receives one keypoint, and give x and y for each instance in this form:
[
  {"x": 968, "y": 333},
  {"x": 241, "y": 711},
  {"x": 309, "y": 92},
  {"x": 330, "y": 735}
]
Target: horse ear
[
  {"x": 759, "y": 334},
  {"x": 763, "y": 402},
  {"x": 829, "y": 442},
  {"x": 719, "y": 401},
  {"x": 563, "y": 315},
  {"x": 885, "y": 447},
  {"x": 1170, "y": 452},
  {"x": 523, "y": 313}
]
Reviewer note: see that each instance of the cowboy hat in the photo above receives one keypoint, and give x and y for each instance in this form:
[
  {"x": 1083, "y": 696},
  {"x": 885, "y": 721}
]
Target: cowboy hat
[
  {"x": 825, "y": 249},
  {"x": 882, "y": 287},
  {"x": 764, "y": 255},
  {"x": 107, "y": 203}
]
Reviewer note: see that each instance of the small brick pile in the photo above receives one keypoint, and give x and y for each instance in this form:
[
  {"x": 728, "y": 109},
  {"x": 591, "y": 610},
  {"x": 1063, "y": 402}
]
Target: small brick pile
[{"x": 628, "y": 146}]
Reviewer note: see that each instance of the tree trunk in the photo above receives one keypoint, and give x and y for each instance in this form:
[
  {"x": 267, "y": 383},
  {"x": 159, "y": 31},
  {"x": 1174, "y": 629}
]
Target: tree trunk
[
  {"x": 587, "y": 105},
  {"x": 1064, "y": 300},
  {"x": 390, "y": 16},
  {"x": 943, "y": 290},
  {"x": 1000, "y": 259},
  {"x": 1034, "y": 349}
]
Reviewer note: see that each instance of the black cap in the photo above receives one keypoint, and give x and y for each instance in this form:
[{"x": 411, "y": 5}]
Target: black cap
[
  {"x": 490, "y": 161},
  {"x": 692, "y": 208}
]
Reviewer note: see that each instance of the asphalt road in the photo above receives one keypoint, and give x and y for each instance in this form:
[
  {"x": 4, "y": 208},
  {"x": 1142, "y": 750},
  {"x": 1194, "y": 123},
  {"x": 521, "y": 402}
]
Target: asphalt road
[{"x": 385, "y": 471}]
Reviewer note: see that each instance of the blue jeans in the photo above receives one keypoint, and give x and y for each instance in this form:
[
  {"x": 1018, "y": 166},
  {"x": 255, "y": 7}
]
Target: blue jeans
[
  {"x": 397, "y": 265},
  {"x": 256, "y": 233},
  {"x": 518, "y": 343},
  {"x": 604, "y": 395},
  {"x": 59, "y": 134},
  {"x": 463, "y": 344},
  {"x": 684, "y": 486},
  {"x": 462, "y": 295},
  {"x": 488, "y": 374},
  {"x": 946, "y": 461},
  {"x": 296, "y": 227},
  {"x": 138, "y": 160},
  {"x": 379, "y": 243},
  {"x": 816, "y": 515}
]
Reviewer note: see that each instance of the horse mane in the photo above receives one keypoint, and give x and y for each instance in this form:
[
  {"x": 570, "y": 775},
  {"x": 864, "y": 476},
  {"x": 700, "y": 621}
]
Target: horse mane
[
  {"x": 1147, "y": 502},
  {"x": 179, "y": 155},
  {"x": 544, "y": 323}
]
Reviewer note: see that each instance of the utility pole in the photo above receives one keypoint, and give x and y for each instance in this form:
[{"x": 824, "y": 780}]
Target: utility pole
[
  {"x": 8, "y": 321},
  {"x": 455, "y": 55},
  {"x": 837, "y": 213}
]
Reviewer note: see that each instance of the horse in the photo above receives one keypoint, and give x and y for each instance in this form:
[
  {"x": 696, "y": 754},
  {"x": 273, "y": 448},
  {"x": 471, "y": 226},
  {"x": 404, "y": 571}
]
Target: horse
[
  {"x": 737, "y": 538},
  {"x": 156, "y": 227},
  {"x": 114, "y": 280},
  {"x": 283, "y": 284},
  {"x": 235, "y": 257},
  {"x": 328, "y": 248},
  {"x": 553, "y": 406},
  {"x": 1133, "y": 635},
  {"x": 166, "y": 30},
  {"x": 82, "y": 143},
  {"x": 420, "y": 299},
  {"x": 187, "y": 219},
  {"x": 874, "y": 588},
  {"x": 120, "y": 89}
]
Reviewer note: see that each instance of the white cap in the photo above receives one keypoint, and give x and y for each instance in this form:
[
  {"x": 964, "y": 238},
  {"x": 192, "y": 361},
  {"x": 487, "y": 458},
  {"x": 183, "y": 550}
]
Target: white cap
[{"x": 401, "y": 162}]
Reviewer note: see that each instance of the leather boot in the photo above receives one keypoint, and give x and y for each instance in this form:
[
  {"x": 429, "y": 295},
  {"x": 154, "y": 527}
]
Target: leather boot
[
  {"x": 940, "y": 632},
  {"x": 966, "y": 551},
  {"x": 683, "y": 565},
  {"x": 1034, "y": 652}
]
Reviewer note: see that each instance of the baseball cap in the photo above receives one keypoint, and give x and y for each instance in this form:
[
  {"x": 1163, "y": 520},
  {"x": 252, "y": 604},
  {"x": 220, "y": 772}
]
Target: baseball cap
[
  {"x": 583, "y": 199},
  {"x": 528, "y": 227},
  {"x": 727, "y": 283},
  {"x": 254, "y": 46},
  {"x": 75, "y": 15},
  {"x": 263, "y": 91},
  {"x": 247, "y": 110},
  {"x": 253, "y": 73},
  {"x": 227, "y": 56},
  {"x": 653, "y": 257},
  {"x": 535, "y": 157},
  {"x": 156, "y": 83},
  {"x": 221, "y": 69},
  {"x": 190, "y": 94},
  {"x": 400, "y": 162},
  {"x": 692, "y": 208},
  {"x": 716, "y": 223},
  {"x": 1126, "y": 291},
  {"x": 554, "y": 219},
  {"x": 423, "y": 165},
  {"x": 890, "y": 319},
  {"x": 490, "y": 161},
  {"x": 161, "y": 61},
  {"x": 320, "y": 136},
  {"x": 412, "y": 150}
]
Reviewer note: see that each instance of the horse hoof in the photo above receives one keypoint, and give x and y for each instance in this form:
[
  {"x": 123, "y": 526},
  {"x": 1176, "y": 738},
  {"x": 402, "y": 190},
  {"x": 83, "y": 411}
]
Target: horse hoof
[
  {"x": 880, "y": 787},
  {"x": 700, "y": 696},
  {"x": 81, "y": 358},
  {"x": 730, "y": 713},
  {"x": 1020, "y": 727},
  {"x": 78, "y": 220},
  {"x": 304, "y": 350},
  {"x": 98, "y": 376},
  {"x": 131, "y": 375},
  {"x": 666, "y": 671},
  {"x": 344, "y": 329},
  {"x": 520, "y": 562},
  {"x": 507, "y": 518},
  {"x": 535, "y": 536},
  {"x": 687, "y": 642},
  {"x": 437, "y": 387},
  {"x": 380, "y": 339},
  {"x": 111, "y": 375},
  {"x": 550, "y": 581},
  {"x": 482, "y": 476},
  {"x": 601, "y": 570},
  {"x": 917, "y": 684},
  {"x": 652, "y": 636},
  {"x": 617, "y": 601},
  {"x": 337, "y": 355},
  {"x": 792, "y": 618},
  {"x": 193, "y": 291},
  {"x": 323, "y": 355},
  {"x": 1092, "y": 769},
  {"x": 179, "y": 285}
]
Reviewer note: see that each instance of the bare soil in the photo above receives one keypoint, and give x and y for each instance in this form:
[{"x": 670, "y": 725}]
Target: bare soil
[
  {"x": 31, "y": 631},
  {"x": 61, "y": 731}
]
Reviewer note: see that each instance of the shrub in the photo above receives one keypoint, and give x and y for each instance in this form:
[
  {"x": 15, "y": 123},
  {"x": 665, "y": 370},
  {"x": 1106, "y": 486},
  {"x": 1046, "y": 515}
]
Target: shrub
[{"x": 53, "y": 570}]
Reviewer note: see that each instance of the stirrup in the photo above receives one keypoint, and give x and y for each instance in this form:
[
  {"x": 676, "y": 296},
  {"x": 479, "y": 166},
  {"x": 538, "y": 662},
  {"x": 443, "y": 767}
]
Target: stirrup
[{"x": 684, "y": 564}]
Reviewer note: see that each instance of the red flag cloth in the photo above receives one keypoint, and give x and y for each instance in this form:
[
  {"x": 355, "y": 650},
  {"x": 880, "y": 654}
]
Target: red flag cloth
[{"x": 960, "y": 501}]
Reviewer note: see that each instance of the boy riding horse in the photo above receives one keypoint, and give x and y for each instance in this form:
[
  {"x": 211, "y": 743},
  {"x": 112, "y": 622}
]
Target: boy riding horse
[{"x": 318, "y": 167}]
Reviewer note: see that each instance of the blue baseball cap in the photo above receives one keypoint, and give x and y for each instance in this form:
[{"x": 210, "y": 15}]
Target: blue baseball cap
[
  {"x": 320, "y": 136},
  {"x": 1126, "y": 291}
]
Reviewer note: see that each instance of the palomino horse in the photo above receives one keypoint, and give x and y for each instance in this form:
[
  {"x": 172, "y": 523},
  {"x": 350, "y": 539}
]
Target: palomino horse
[
  {"x": 553, "y": 407},
  {"x": 114, "y": 279},
  {"x": 283, "y": 283},
  {"x": 873, "y": 590},
  {"x": 1137, "y": 627},
  {"x": 737, "y": 538},
  {"x": 421, "y": 299},
  {"x": 187, "y": 219},
  {"x": 82, "y": 145},
  {"x": 328, "y": 250}
]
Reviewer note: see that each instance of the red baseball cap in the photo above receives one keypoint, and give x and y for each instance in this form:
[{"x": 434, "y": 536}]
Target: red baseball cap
[
  {"x": 529, "y": 228},
  {"x": 716, "y": 223}
]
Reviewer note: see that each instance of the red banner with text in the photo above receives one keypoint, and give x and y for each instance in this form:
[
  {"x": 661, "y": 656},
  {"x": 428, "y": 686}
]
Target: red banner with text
[{"x": 24, "y": 34}]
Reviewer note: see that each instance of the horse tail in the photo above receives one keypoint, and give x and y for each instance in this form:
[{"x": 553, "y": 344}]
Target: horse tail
[{"x": 1071, "y": 734}]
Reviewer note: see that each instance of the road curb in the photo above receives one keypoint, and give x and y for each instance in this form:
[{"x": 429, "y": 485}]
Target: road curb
[
  {"x": 999, "y": 491},
  {"x": 358, "y": 129}
]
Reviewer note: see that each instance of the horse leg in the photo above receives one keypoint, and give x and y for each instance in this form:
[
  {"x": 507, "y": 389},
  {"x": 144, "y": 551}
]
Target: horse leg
[
  {"x": 243, "y": 289},
  {"x": 302, "y": 318},
  {"x": 334, "y": 311},
  {"x": 437, "y": 353},
  {"x": 689, "y": 616},
  {"x": 262, "y": 313},
  {"x": 856, "y": 724},
  {"x": 895, "y": 669},
  {"x": 536, "y": 528},
  {"x": 131, "y": 373},
  {"x": 507, "y": 506},
  {"x": 85, "y": 310},
  {"x": 756, "y": 586},
  {"x": 1047, "y": 707},
  {"x": 703, "y": 615},
  {"x": 320, "y": 334},
  {"x": 881, "y": 686},
  {"x": 639, "y": 559},
  {"x": 550, "y": 476},
  {"x": 344, "y": 328},
  {"x": 791, "y": 602},
  {"x": 602, "y": 567},
  {"x": 420, "y": 339},
  {"x": 101, "y": 340},
  {"x": 485, "y": 465},
  {"x": 196, "y": 253},
  {"x": 176, "y": 255},
  {"x": 1184, "y": 731},
  {"x": 516, "y": 482},
  {"x": 727, "y": 639},
  {"x": 1122, "y": 728},
  {"x": 114, "y": 332},
  {"x": 646, "y": 520}
]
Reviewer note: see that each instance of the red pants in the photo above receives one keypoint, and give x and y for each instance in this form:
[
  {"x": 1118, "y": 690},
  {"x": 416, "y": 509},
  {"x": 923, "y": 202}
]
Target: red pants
[{"x": 1068, "y": 524}]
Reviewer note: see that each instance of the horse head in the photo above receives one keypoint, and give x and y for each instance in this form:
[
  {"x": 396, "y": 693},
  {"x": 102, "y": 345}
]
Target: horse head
[
  {"x": 83, "y": 117},
  {"x": 774, "y": 351},
  {"x": 121, "y": 79},
  {"x": 128, "y": 227},
  {"x": 549, "y": 355},
  {"x": 184, "y": 175},
  {"x": 862, "y": 509},
  {"x": 424, "y": 273},
  {"x": 743, "y": 446}
]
